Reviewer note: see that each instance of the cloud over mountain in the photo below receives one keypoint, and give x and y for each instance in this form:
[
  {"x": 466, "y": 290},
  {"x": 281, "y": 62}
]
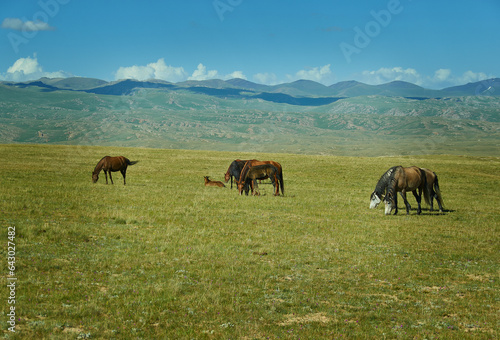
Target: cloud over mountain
[
  {"x": 156, "y": 70},
  {"x": 441, "y": 78},
  {"x": 321, "y": 74},
  {"x": 201, "y": 73},
  {"x": 28, "y": 68},
  {"x": 384, "y": 75}
]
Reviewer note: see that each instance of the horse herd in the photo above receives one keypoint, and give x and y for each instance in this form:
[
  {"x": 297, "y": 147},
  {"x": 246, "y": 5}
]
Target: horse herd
[{"x": 247, "y": 172}]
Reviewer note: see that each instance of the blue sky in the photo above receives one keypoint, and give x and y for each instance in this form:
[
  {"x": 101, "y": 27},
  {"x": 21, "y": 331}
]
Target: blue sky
[{"x": 430, "y": 43}]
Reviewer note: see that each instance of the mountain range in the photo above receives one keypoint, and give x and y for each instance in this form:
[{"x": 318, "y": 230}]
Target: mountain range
[
  {"x": 300, "y": 92},
  {"x": 347, "y": 118}
]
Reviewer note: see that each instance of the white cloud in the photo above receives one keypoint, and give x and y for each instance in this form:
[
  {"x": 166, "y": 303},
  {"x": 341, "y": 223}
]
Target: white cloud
[
  {"x": 160, "y": 70},
  {"x": 442, "y": 75},
  {"x": 25, "y": 69},
  {"x": 440, "y": 79},
  {"x": 266, "y": 78},
  {"x": 236, "y": 74},
  {"x": 319, "y": 74},
  {"x": 444, "y": 78},
  {"x": 201, "y": 73},
  {"x": 25, "y": 66},
  {"x": 26, "y": 26},
  {"x": 157, "y": 70},
  {"x": 385, "y": 75},
  {"x": 471, "y": 77}
]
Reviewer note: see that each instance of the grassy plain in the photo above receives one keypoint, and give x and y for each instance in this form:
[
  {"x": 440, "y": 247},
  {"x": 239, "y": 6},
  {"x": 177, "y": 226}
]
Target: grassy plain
[{"x": 164, "y": 257}]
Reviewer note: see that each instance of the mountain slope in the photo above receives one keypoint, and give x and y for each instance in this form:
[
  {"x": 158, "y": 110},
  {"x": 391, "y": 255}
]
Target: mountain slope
[
  {"x": 489, "y": 87},
  {"x": 160, "y": 117},
  {"x": 244, "y": 88}
]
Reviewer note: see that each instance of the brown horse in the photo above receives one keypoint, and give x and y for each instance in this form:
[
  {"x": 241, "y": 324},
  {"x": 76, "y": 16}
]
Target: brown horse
[
  {"x": 404, "y": 180},
  {"x": 234, "y": 170},
  {"x": 433, "y": 188},
  {"x": 253, "y": 162},
  {"x": 257, "y": 172},
  {"x": 209, "y": 183},
  {"x": 111, "y": 164}
]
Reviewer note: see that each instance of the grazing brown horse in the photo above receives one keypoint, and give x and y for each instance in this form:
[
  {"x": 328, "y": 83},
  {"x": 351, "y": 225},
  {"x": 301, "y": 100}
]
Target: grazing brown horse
[
  {"x": 260, "y": 172},
  {"x": 253, "y": 162},
  {"x": 234, "y": 170},
  {"x": 209, "y": 183},
  {"x": 111, "y": 164},
  {"x": 404, "y": 180},
  {"x": 433, "y": 188}
]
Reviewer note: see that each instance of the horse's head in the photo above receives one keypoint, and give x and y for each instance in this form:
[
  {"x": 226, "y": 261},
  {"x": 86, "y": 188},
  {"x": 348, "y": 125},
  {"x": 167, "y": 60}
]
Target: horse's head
[
  {"x": 227, "y": 176},
  {"x": 95, "y": 177},
  {"x": 207, "y": 179},
  {"x": 389, "y": 204},
  {"x": 243, "y": 186},
  {"x": 240, "y": 187},
  {"x": 374, "y": 200}
]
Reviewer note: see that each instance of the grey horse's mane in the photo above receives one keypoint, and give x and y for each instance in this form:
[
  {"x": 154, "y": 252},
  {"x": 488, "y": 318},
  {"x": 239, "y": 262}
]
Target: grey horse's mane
[{"x": 385, "y": 180}]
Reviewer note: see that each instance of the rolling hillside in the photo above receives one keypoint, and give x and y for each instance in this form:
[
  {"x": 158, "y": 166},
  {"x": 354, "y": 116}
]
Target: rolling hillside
[
  {"x": 196, "y": 116},
  {"x": 245, "y": 89}
]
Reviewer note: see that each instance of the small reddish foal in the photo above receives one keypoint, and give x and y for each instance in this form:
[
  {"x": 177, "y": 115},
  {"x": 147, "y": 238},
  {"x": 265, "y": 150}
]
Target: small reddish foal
[{"x": 209, "y": 183}]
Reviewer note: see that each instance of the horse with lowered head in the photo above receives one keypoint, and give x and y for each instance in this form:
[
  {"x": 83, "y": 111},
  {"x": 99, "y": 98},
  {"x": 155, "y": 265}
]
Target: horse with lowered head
[
  {"x": 381, "y": 187},
  {"x": 403, "y": 180},
  {"x": 234, "y": 170},
  {"x": 253, "y": 162},
  {"x": 432, "y": 188},
  {"x": 257, "y": 172},
  {"x": 111, "y": 164}
]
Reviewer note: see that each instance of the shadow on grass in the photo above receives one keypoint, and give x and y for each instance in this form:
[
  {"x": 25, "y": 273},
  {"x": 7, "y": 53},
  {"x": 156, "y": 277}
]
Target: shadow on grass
[{"x": 425, "y": 212}]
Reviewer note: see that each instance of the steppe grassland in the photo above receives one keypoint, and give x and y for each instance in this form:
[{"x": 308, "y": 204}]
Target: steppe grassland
[{"x": 166, "y": 257}]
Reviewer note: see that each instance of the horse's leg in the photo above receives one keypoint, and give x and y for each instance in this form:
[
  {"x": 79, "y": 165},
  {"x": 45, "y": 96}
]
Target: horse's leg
[
  {"x": 432, "y": 195},
  {"x": 396, "y": 204},
  {"x": 124, "y": 173},
  {"x": 111, "y": 178},
  {"x": 439, "y": 203},
  {"x": 406, "y": 202},
  {"x": 419, "y": 211},
  {"x": 419, "y": 199},
  {"x": 401, "y": 193},
  {"x": 255, "y": 187},
  {"x": 106, "y": 175}
]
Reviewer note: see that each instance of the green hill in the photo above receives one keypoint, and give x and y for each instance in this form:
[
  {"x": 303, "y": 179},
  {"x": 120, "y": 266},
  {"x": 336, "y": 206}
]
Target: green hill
[
  {"x": 243, "y": 88},
  {"x": 208, "y": 118}
]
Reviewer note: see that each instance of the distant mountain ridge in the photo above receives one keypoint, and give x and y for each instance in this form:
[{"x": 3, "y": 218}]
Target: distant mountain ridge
[
  {"x": 300, "y": 92},
  {"x": 240, "y": 115}
]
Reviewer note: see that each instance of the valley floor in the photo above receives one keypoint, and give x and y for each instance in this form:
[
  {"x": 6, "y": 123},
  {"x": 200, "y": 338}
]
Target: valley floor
[{"x": 166, "y": 257}]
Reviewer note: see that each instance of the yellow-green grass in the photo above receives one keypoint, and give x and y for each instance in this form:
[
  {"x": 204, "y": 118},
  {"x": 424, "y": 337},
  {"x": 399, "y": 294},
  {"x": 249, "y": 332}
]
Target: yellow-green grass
[{"x": 166, "y": 257}]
